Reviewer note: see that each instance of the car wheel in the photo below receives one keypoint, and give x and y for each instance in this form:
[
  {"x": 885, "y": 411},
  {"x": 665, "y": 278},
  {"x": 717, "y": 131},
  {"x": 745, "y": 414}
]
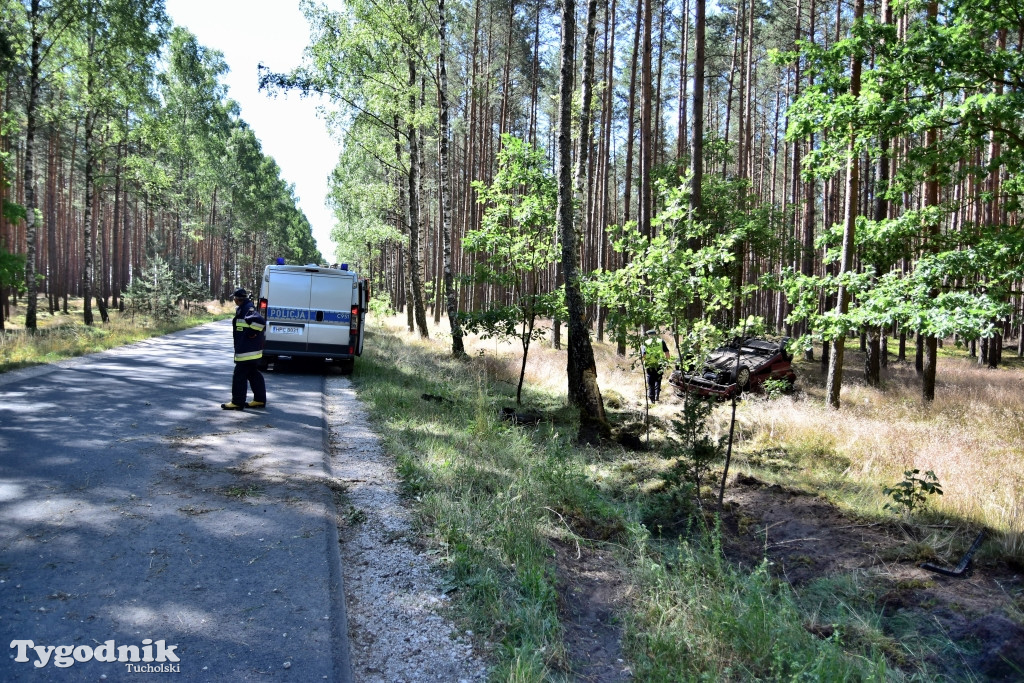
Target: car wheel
[{"x": 743, "y": 377}]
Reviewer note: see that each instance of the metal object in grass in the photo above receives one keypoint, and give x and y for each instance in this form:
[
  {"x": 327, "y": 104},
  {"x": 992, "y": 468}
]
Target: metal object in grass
[
  {"x": 961, "y": 569},
  {"x": 732, "y": 420}
]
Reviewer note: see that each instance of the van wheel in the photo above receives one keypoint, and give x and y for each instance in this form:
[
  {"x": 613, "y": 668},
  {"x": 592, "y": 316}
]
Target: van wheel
[{"x": 346, "y": 365}]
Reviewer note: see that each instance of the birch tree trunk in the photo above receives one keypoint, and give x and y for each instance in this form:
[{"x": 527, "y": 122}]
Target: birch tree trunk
[
  {"x": 834, "y": 379},
  {"x": 414, "y": 212},
  {"x": 451, "y": 300},
  {"x": 29, "y": 169}
]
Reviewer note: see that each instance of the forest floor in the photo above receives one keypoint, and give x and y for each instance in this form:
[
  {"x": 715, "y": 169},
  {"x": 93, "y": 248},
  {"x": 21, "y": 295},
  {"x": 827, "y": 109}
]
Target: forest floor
[
  {"x": 980, "y": 614},
  {"x": 807, "y": 539},
  {"x": 972, "y": 622},
  {"x": 970, "y": 627}
]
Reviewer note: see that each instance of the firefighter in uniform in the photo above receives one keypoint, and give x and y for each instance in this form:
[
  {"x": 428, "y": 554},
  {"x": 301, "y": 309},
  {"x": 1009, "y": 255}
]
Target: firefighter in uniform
[
  {"x": 655, "y": 355},
  {"x": 249, "y": 331}
]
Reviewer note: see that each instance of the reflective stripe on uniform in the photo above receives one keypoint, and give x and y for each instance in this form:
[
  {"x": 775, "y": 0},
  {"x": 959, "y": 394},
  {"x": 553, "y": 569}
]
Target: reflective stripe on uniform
[
  {"x": 257, "y": 326},
  {"x": 252, "y": 355}
]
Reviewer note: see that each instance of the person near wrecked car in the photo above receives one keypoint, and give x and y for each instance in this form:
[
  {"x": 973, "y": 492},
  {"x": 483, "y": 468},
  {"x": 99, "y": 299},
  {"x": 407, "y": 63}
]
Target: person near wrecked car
[
  {"x": 655, "y": 357},
  {"x": 249, "y": 331}
]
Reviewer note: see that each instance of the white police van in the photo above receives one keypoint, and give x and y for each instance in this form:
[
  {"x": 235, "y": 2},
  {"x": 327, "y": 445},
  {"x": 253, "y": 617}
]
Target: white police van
[{"x": 313, "y": 312}]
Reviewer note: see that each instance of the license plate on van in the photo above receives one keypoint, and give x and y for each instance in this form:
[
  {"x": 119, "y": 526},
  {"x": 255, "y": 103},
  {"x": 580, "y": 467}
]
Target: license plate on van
[{"x": 285, "y": 329}]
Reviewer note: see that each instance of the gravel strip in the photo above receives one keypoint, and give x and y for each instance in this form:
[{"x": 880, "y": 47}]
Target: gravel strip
[{"x": 393, "y": 596}]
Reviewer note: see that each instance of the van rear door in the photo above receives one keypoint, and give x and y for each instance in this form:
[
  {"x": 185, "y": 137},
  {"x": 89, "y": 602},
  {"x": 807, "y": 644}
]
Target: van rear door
[
  {"x": 329, "y": 303},
  {"x": 288, "y": 312}
]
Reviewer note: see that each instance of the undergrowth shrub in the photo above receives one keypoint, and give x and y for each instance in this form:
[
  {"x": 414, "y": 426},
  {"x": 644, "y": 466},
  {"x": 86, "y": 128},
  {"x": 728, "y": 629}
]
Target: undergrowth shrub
[
  {"x": 381, "y": 306},
  {"x": 695, "y": 451},
  {"x": 775, "y": 388},
  {"x": 913, "y": 492}
]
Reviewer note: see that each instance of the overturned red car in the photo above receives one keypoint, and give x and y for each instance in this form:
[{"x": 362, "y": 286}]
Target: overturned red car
[{"x": 741, "y": 365}]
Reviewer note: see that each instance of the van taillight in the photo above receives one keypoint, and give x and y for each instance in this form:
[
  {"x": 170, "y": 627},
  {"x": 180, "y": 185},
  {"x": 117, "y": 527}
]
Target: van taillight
[
  {"x": 354, "y": 329},
  {"x": 263, "y": 307}
]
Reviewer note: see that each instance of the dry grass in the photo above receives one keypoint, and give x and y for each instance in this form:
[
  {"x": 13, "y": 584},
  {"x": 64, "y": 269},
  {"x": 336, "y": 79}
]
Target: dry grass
[
  {"x": 63, "y": 335},
  {"x": 546, "y": 367},
  {"x": 971, "y": 436}
]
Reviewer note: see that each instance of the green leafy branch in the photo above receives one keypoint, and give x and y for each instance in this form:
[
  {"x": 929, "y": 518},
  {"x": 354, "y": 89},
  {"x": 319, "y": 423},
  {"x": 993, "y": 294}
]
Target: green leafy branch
[{"x": 912, "y": 493}]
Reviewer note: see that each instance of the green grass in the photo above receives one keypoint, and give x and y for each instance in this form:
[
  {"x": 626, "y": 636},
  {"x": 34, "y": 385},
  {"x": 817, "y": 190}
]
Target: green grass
[
  {"x": 492, "y": 498},
  {"x": 483, "y": 490},
  {"x": 700, "y": 618}
]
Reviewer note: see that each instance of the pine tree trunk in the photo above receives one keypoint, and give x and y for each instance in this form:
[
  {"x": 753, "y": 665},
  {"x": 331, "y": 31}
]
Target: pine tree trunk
[
  {"x": 876, "y": 336},
  {"x": 587, "y": 95},
  {"x": 931, "y": 198},
  {"x": 928, "y": 368},
  {"x": 582, "y": 185},
  {"x": 87, "y": 236},
  {"x": 609, "y": 203},
  {"x": 54, "y": 163},
  {"x": 873, "y": 360},
  {"x": 630, "y": 140},
  {"x": 731, "y": 80},
  {"x": 809, "y": 217},
  {"x": 646, "y": 125},
  {"x": 658, "y": 135},
  {"x": 631, "y": 114},
  {"x": 115, "y": 232},
  {"x": 697, "y": 158},
  {"x": 919, "y": 353},
  {"x": 581, "y": 370},
  {"x": 103, "y": 284},
  {"x": 535, "y": 79},
  {"x": 684, "y": 81}
]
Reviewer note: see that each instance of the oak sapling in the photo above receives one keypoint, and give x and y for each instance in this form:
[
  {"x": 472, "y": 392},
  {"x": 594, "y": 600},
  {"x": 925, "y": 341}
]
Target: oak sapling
[
  {"x": 912, "y": 493},
  {"x": 515, "y": 241}
]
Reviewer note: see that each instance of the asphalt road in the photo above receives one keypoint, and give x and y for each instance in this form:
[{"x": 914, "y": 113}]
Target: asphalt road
[{"x": 134, "y": 510}]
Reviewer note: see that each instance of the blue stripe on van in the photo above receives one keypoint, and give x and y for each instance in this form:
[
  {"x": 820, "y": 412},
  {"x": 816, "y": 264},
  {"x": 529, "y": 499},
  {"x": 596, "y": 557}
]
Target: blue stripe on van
[{"x": 304, "y": 315}]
